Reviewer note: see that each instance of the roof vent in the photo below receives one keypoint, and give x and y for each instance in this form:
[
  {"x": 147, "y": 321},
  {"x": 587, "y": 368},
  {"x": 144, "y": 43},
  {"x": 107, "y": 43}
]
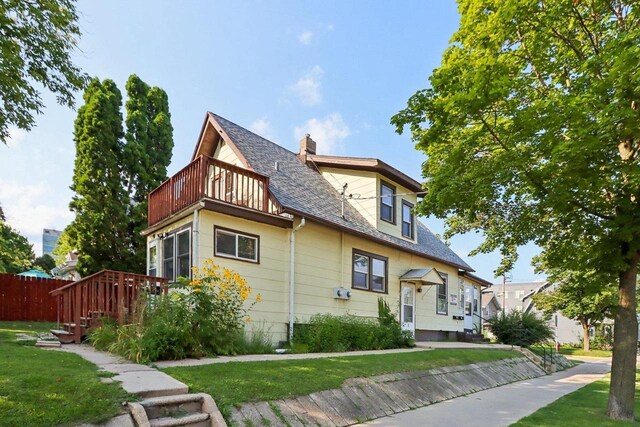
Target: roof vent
[{"x": 307, "y": 146}]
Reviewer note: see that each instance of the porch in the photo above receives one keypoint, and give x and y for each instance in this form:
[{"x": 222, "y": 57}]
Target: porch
[
  {"x": 209, "y": 178},
  {"x": 107, "y": 293}
]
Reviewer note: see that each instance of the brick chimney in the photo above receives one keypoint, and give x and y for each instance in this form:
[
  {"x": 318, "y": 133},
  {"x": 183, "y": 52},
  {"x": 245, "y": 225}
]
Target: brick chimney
[{"x": 307, "y": 146}]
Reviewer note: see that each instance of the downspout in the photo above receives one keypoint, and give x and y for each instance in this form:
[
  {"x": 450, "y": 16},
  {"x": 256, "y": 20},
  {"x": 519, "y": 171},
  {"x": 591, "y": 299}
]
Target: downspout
[
  {"x": 292, "y": 248},
  {"x": 196, "y": 236}
]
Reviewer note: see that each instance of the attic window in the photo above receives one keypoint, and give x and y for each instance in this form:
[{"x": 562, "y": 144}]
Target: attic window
[
  {"x": 387, "y": 202},
  {"x": 407, "y": 220}
]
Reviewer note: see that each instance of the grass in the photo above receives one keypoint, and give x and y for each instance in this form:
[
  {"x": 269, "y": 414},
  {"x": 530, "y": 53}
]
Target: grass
[
  {"x": 45, "y": 388},
  {"x": 584, "y": 407},
  {"x": 572, "y": 351},
  {"x": 236, "y": 382}
]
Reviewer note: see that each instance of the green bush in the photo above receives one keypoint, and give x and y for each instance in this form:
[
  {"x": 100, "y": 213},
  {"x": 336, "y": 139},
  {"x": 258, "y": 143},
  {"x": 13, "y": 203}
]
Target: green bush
[
  {"x": 203, "y": 316},
  {"x": 331, "y": 333},
  {"x": 256, "y": 341},
  {"x": 520, "y": 328}
]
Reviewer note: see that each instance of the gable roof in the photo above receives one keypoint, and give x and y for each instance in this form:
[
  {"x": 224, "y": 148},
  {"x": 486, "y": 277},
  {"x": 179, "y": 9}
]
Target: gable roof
[
  {"x": 303, "y": 191},
  {"x": 426, "y": 276}
]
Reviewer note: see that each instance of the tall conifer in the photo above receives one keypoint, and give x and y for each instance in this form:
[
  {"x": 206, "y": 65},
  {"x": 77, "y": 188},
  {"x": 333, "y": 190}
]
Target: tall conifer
[
  {"x": 147, "y": 154},
  {"x": 100, "y": 202}
]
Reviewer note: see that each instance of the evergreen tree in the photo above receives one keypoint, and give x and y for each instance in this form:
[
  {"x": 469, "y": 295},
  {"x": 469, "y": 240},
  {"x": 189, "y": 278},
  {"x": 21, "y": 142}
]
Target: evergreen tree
[
  {"x": 147, "y": 154},
  {"x": 101, "y": 225}
]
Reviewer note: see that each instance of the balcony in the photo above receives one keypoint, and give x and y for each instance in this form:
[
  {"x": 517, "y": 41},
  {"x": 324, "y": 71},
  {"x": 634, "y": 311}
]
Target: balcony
[{"x": 210, "y": 178}]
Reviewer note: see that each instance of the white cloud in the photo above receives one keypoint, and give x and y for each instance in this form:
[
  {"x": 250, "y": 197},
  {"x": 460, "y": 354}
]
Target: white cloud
[
  {"x": 305, "y": 37},
  {"x": 307, "y": 88},
  {"x": 328, "y": 133},
  {"x": 262, "y": 127},
  {"x": 26, "y": 213},
  {"x": 16, "y": 136}
]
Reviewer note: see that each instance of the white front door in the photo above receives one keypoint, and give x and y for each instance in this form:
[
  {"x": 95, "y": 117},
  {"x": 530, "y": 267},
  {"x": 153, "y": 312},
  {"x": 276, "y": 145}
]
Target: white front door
[
  {"x": 468, "y": 307},
  {"x": 407, "y": 309}
]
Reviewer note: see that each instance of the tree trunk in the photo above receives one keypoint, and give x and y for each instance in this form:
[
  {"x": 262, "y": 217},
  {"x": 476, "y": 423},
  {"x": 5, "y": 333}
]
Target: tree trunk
[
  {"x": 586, "y": 339},
  {"x": 625, "y": 343}
]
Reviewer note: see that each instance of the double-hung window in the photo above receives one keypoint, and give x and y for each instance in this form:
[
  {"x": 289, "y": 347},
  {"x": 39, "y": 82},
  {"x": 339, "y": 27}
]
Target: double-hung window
[
  {"x": 369, "y": 272},
  {"x": 441, "y": 303},
  {"x": 407, "y": 220},
  {"x": 176, "y": 255},
  {"x": 387, "y": 202},
  {"x": 237, "y": 245}
]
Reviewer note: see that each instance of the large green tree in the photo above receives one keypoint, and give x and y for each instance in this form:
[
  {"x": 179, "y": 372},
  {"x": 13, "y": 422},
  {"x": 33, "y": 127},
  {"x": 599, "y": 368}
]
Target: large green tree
[
  {"x": 147, "y": 154},
  {"x": 583, "y": 296},
  {"x": 16, "y": 253},
  {"x": 531, "y": 129},
  {"x": 37, "y": 38},
  {"x": 100, "y": 203}
]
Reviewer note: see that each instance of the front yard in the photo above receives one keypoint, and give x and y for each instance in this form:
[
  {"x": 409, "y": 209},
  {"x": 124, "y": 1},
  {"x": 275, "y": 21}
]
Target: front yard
[
  {"x": 573, "y": 351},
  {"x": 46, "y": 388},
  {"x": 584, "y": 407},
  {"x": 236, "y": 382}
]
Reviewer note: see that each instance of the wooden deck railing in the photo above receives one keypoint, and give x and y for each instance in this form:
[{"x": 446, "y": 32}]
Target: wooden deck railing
[
  {"x": 215, "y": 179},
  {"x": 107, "y": 293}
]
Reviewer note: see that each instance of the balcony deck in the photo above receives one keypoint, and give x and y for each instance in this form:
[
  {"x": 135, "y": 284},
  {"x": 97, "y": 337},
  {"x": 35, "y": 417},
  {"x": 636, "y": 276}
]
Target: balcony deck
[{"x": 206, "y": 177}]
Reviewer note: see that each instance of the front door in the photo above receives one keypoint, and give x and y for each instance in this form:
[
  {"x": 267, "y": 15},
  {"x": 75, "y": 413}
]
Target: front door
[
  {"x": 407, "y": 309},
  {"x": 468, "y": 308}
]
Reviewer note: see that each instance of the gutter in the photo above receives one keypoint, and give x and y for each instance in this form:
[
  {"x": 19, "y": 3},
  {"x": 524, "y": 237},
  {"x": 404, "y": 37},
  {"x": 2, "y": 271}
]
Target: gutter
[{"x": 292, "y": 249}]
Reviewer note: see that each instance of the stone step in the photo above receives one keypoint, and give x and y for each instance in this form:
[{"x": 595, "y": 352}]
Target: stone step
[{"x": 191, "y": 420}]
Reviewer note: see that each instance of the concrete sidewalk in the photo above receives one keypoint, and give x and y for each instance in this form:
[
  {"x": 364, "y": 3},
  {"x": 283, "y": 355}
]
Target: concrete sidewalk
[
  {"x": 134, "y": 378},
  {"x": 420, "y": 346},
  {"x": 500, "y": 406}
]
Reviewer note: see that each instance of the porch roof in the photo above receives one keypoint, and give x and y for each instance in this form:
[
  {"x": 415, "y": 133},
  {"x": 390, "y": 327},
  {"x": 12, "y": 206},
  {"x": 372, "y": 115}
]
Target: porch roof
[{"x": 426, "y": 276}]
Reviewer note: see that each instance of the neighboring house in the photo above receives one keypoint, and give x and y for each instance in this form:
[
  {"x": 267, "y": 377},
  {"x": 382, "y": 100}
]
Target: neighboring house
[
  {"x": 49, "y": 240},
  {"x": 518, "y": 297},
  {"x": 490, "y": 304},
  {"x": 311, "y": 233},
  {"x": 68, "y": 269}
]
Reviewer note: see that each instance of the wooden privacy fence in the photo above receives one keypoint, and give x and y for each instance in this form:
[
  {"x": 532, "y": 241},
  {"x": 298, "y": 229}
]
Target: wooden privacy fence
[{"x": 24, "y": 298}]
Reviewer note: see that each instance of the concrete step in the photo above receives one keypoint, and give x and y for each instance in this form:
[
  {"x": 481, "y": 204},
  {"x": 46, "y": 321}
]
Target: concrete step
[
  {"x": 191, "y": 420},
  {"x": 160, "y": 407},
  {"x": 65, "y": 337},
  {"x": 193, "y": 410},
  {"x": 48, "y": 344}
]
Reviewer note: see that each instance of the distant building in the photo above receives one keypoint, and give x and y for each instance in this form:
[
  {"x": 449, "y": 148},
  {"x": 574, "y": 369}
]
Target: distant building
[
  {"x": 518, "y": 297},
  {"x": 67, "y": 270},
  {"x": 49, "y": 240}
]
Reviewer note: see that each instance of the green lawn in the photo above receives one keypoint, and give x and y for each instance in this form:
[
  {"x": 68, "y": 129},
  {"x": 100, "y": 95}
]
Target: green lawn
[
  {"x": 572, "y": 351},
  {"x": 584, "y": 407},
  {"x": 236, "y": 382},
  {"x": 46, "y": 388}
]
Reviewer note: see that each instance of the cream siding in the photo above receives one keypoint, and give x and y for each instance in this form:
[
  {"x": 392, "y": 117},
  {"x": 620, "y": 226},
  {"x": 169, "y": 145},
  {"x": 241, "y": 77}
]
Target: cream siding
[
  {"x": 323, "y": 261},
  {"x": 360, "y": 184},
  {"x": 384, "y": 226},
  {"x": 226, "y": 154}
]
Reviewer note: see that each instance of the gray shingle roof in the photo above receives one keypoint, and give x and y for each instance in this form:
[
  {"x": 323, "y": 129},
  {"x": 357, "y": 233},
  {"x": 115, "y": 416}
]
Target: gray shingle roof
[{"x": 301, "y": 189}]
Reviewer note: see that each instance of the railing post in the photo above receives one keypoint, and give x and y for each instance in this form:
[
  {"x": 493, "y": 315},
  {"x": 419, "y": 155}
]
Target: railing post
[
  {"x": 77, "y": 307},
  {"x": 120, "y": 298}
]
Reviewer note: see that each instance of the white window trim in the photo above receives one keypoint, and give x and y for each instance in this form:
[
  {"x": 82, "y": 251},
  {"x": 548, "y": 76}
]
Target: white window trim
[
  {"x": 153, "y": 243},
  {"x": 446, "y": 291}
]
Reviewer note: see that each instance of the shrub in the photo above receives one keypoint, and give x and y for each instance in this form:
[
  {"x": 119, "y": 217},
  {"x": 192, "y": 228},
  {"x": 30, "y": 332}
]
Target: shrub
[
  {"x": 331, "y": 333},
  {"x": 256, "y": 341},
  {"x": 202, "y": 316},
  {"x": 520, "y": 328}
]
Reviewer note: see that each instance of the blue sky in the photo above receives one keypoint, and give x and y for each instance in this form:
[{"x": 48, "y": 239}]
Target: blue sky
[{"x": 338, "y": 70}]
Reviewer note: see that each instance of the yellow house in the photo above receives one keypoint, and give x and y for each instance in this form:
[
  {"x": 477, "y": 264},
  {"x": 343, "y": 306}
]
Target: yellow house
[{"x": 311, "y": 233}]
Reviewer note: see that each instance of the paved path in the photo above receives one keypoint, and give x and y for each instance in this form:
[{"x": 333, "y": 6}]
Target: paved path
[
  {"x": 420, "y": 346},
  {"x": 136, "y": 379},
  {"x": 500, "y": 406}
]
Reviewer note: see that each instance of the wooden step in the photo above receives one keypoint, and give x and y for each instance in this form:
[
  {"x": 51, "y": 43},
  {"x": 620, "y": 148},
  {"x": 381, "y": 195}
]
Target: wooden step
[{"x": 65, "y": 337}]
